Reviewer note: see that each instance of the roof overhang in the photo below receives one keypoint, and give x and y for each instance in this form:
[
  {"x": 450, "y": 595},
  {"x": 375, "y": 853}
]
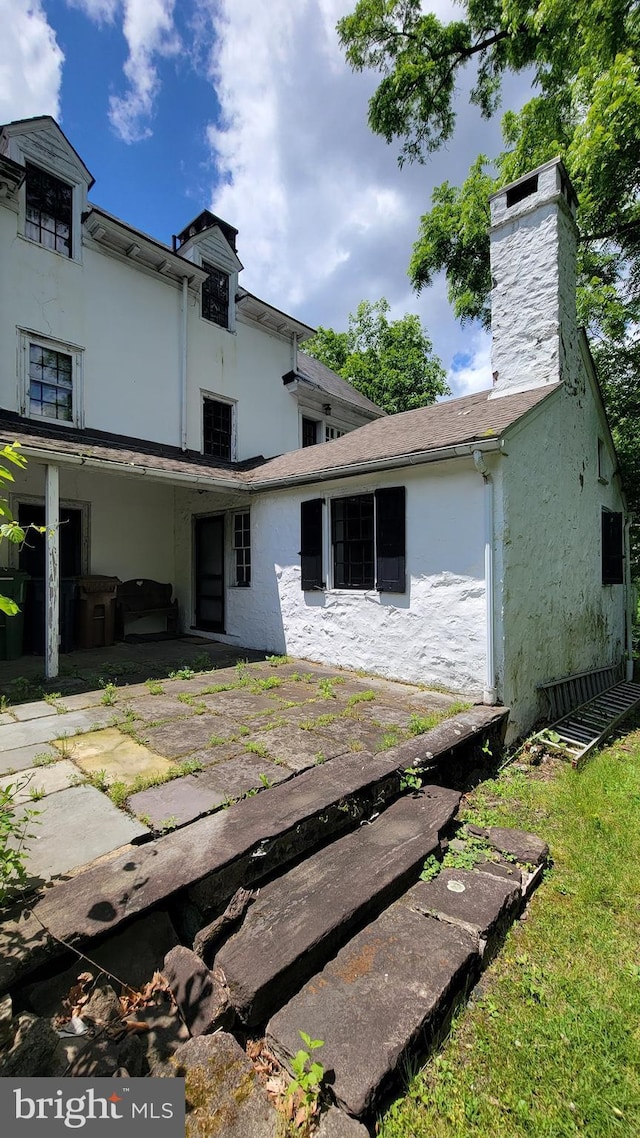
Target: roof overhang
[
  {"x": 251, "y": 308},
  {"x": 141, "y": 251},
  {"x": 12, "y": 175}
]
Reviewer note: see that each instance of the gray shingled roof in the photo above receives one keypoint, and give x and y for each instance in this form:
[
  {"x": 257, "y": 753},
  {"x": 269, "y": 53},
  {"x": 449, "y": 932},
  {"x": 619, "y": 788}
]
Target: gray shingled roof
[
  {"x": 318, "y": 375},
  {"x": 456, "y": 422}
]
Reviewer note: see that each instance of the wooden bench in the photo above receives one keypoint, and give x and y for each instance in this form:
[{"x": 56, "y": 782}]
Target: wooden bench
[{"x": 142, "y": 597}]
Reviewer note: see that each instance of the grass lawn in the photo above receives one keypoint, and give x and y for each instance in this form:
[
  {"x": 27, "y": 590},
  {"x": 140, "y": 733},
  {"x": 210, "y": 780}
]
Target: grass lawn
[{"x": 549, "y": 1046}]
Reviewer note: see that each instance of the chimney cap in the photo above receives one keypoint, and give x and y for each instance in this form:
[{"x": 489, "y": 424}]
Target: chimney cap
[{"x": 547, "y": 182}]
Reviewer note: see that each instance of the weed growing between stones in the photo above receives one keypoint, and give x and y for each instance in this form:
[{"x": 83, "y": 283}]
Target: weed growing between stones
[
  {"x": 302, "y": 1096},
  {"x": 155, "y": 687},
  {"x": 109, "y": 695},
  {"x": 15, "y": 834}
]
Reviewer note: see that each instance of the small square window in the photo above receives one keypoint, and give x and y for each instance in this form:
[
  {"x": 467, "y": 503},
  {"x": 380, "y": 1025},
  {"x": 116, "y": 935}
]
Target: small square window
[
  {"x": 50, "y": 383},
  {"x": 242, "y": 548},
  {"x": 217, "y": 428},
  {"x": 49, "y": 208},
  {"x": 215, "y": 296}
]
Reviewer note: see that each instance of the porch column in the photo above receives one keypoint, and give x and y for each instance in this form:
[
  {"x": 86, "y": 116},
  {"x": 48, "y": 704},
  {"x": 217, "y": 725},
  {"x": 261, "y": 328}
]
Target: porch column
[{"x": 52, "y": 576}]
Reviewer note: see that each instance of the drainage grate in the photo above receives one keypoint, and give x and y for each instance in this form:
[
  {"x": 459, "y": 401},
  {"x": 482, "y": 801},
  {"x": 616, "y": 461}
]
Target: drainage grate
[{"x": 579, "y": 732}]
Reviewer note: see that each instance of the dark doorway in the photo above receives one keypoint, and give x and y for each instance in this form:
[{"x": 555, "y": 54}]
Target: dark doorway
[
  {"x": 209, "y": 573},
  {"x": 32, "y": 554},
  {"x": 32, "y": 560}
]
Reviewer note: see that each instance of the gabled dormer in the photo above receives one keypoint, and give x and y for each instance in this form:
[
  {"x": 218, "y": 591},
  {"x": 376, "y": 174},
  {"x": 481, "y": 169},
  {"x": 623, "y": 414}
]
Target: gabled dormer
[
  {"x": 53, "y": 195},
  {"x": 211, "y": 243}
]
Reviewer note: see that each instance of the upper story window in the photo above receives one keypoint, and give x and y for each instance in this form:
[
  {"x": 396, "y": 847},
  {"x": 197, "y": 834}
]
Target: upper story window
[
  {"x": 215, "y": 296},
  {"x": 49, "y": 209},
  {"x": 309, "y": 432},
  {"x": 50, "y": 383},
  {"x": 217, "y": 428},
  {"x": 333, "y": 433}
]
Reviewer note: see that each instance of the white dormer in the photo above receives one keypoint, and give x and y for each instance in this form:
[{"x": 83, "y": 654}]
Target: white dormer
[
  {"x": 211, "y": 243},
  {"x": 53, "y": 196}
]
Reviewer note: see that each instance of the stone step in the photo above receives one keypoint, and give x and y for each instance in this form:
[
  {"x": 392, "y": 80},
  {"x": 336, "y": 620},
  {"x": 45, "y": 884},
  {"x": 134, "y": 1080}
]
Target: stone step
[
  {"x": 207, "y": 861},
  {"x": 301, "y": 918},
  {"x": 391, "y": 990}
]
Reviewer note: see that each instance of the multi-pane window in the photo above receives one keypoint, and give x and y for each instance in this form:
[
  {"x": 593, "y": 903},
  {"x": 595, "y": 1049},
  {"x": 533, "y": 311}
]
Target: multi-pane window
[
  {"x": 368, "y": 541},
  {"x": 50, "y": 383},
  {"x": 309, "y": 432},
  {"x": 217, "y": 428},
  {"x": 48, "y": 210},
  {"x": 333, "y": 433},
  {"x": 215, "y": 296},
  {"x": 352, "y": 538},
  {"x": 242, "y": 548}
]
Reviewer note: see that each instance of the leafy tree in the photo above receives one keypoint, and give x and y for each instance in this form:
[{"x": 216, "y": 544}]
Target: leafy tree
[
  {"x": 389, "y": 361},
  {"x": 584, "y": 57},
  {"x": 9, "y": 528}
]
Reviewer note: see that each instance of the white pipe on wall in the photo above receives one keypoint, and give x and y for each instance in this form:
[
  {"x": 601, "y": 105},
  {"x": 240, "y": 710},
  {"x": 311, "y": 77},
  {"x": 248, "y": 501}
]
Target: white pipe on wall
[
  {"x": 52, "y": 552},
  {"x": 183, "y": 362},
  {"x": 489, "y": 695}
]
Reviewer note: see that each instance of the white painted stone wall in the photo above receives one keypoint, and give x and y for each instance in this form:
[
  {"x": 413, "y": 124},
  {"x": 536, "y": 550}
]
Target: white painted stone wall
[
  {"x": 556, "y": 617},
  {"x": 533, "y": 268},
  {"x": 432, "y": 634}
]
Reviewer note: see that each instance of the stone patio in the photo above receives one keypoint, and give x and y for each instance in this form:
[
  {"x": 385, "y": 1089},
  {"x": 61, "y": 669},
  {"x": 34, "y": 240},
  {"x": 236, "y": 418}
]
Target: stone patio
[{"x": 124, "y": 763}]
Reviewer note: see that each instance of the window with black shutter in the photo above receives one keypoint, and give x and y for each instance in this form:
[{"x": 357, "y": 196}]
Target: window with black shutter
[
  {"x": 352, "y": 532},
  {"x": 612, "y": 548},
  {"x": 309, "y": 432},
  {"x": 390, "y": 540},
  {"x": 311, "y": 544}
]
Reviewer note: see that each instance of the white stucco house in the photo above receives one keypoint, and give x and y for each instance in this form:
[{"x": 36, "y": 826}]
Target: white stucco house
[{"x": 170, "y": 416}]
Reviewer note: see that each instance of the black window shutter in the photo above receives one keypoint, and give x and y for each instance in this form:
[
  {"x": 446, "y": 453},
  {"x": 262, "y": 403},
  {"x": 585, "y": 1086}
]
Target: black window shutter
[
  {"x": 390, "y": 540},
  {"x": 612, "y": 551},
  {"x": 311, "y": 544}
]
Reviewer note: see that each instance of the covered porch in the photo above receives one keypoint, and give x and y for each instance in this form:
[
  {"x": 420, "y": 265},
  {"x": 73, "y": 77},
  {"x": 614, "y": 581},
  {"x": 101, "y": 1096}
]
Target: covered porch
[{"x": 98, "y": 516}]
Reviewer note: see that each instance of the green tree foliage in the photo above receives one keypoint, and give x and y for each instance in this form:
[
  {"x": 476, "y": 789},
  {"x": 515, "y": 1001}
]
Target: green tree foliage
[
  {"x": 389, "y": 361},
  {"x": 584, "y": 59},
  {"x": 9, "y": 528}
]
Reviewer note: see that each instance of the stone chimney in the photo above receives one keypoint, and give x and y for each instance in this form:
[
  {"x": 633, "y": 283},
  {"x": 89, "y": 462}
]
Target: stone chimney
[{"x": 533, "y": 270}]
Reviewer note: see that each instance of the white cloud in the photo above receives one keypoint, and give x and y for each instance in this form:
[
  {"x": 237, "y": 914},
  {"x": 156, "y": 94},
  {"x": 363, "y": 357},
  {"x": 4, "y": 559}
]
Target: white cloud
[
  {"x": 30, "y": 62},
  {"x": 326, "y": 218},
  {"x": 472, "y": 372},
  {"x": 149, "y": 29}
]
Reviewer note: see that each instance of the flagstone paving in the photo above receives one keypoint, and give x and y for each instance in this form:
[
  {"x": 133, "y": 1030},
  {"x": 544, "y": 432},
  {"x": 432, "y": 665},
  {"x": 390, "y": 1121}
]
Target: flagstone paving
[
  {"x": 35, "y": 783},
  {"x": 118, "y": 756},
  {"x": 236, "y": 730}
]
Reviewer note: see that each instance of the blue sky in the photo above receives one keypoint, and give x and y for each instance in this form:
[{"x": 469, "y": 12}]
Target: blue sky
[{"x": 247, "y": 108}]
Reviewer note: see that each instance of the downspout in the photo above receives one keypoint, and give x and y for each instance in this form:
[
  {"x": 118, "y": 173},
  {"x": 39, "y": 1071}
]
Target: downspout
[
  {"x": 294, "y": 352},
  {"x": 489, "y": 696},
  {"x": 183, "y": 363},
  {"x": 629, "y": 593},
  {"x": 52, "y": 578}
]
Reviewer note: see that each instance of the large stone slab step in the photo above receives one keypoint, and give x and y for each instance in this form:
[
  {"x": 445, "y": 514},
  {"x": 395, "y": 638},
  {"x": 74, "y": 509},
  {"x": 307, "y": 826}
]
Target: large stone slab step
[
  {"x": 210, "y": 859},
  {"x": 390, "y": 991},
  {"x": 301, "y": 918}
]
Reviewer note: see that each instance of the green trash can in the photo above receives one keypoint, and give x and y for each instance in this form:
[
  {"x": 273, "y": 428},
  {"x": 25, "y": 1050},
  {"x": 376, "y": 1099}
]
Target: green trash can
[{"x": 13, "y": 584}]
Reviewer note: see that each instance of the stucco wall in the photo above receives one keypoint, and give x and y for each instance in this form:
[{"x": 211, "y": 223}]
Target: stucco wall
[
  {"x": 127, "y": 323},
  {"x": 556, "y": 617},
  {"x": 433, "y": 634}
]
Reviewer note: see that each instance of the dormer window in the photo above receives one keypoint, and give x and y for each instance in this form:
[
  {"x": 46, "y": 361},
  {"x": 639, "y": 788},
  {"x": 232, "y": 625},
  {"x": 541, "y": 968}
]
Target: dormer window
[
  {"x": 215, "y": 296},
  {"x": 49, "y": 209}
]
